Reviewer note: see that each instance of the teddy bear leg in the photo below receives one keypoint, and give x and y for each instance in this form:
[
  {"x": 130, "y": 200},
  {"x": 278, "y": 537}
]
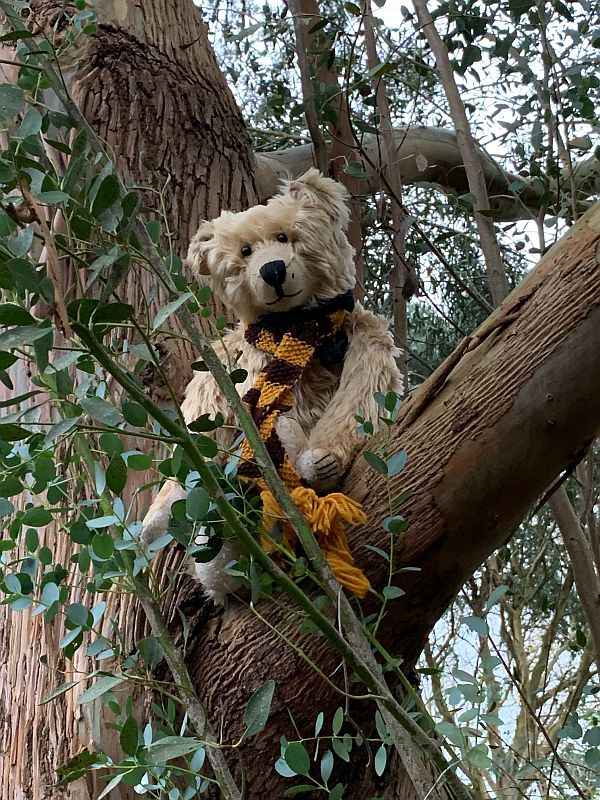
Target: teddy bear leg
[
  {"x": 216, "y": 583},
  {"x": 156, "y": 521}
]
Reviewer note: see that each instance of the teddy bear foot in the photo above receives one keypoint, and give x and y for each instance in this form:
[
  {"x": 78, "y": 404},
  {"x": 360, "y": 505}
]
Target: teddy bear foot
[
  {"x": 320, "y": 469},
  {"x": 156, "y": 521},
  {"x": 216, "y": 583}
]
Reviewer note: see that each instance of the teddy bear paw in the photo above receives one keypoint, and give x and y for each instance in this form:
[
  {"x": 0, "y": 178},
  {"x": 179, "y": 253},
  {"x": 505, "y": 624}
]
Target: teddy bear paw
[{"x": 320, "y": 469}]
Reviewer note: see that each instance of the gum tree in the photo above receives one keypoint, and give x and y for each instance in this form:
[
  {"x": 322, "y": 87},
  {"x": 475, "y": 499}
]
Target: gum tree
[{"x": 486, "y": 434}]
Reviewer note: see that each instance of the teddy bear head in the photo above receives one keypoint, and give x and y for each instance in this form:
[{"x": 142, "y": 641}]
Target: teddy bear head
[{"x": 291, "y": 252}]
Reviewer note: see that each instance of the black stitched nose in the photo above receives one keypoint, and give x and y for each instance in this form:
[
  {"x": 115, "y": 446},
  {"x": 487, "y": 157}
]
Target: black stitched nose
[{"x": 273, "y": 273}]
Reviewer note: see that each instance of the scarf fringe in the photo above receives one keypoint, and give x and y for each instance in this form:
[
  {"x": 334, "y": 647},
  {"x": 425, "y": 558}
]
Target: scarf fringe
[{"x": 326, "y": 517}]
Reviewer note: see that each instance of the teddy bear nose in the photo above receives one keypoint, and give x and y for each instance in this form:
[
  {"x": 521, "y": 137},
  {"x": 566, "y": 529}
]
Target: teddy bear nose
[{"x": 273, "y": 273}]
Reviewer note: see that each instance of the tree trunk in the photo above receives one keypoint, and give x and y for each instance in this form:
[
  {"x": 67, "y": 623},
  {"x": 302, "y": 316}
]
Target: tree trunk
[
  {"x": 149, "y": 84},
  {"x": 486, "y": 434}
]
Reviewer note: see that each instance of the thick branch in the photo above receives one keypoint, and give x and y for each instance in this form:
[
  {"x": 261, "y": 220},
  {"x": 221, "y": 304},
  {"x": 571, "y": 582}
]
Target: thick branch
[{"x": 444, "y": 167}]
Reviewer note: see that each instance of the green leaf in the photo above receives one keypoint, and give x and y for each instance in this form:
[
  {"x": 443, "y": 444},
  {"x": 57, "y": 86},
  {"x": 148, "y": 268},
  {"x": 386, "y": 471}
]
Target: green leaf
[
  {"x": 50, "y": 594},
  {"x": 392, "y": 592},
  {"x": 114, "y": 781},
  {"x": 479, "y": 758},
  {"x": 11, "y": 101},
  {"x": 338, "y": 721},
  {"x": 337, "y": 792},
  {"x": 375, "y": 461},
  {"x": 380, "y": 760},
  {"x": 451, "y": 732},
  {"x": 134, "y": 414},
  {"x": 13, "y": 433},
  {"x": 10, "y": 486},
  {"x": 170, "y": 747},
  {"x": 139, "y": 461},
  {"x": 397, "y": 462},
  {"x": 355, "y": 168},
  {"x": 103, "y": 545},
  {"x": 32, "y": 540},
  {"x": 259, "y": 705},
  {"x": 197, "y": 503},
  {"x": 17, "y": 337},
  {"x": 592, "y": 736},
  {"x": 301, "y": 788},
  {"x": 12, "y": 314},
  {"x": 102, "y": 685},
  {"x": 37, "y": 517},
  {"x": 116, "y": 474},
  {"x": 100, "y": 410},
  {"x": 340, "y": 749},
  {"x": 377, "y": 550},
  {"x": 476, "y": 624},
  {"x": 151, "y": 651},
  {"x": 297, "y": 758},
  {"x": 78, "y": 614},
  {"x": 326, "y": 765},
  {"x": 108, "y": 192},
  {"x": 129, "y": 737},
  {"x": 238, "y": 375},
  {"x": 60, "y": 690},
  {"x": 395, "y": 524},
  {"x": 62, "y": 427},
  {"x": 31, "y": 124},
  {"x": 166, "y": 312},
  {"x": 495, "y": 596},
  {"x": 198, "y": 759}
]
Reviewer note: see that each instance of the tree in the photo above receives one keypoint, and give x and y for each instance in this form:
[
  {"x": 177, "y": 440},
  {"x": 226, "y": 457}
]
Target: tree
[{"x": 510, "y": 409}]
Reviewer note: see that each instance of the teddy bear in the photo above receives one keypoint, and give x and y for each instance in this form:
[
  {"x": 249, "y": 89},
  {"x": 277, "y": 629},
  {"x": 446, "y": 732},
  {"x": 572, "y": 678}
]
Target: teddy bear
[{"x": 286, "y": 271}]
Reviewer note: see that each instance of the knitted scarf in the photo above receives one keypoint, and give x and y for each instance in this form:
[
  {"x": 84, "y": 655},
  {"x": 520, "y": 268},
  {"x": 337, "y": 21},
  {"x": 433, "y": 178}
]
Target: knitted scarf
[{"x": 295, "y": 339}]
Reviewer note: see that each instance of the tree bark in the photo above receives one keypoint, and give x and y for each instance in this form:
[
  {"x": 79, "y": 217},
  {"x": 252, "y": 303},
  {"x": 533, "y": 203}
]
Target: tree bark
[{"x": 486, "y": 434}]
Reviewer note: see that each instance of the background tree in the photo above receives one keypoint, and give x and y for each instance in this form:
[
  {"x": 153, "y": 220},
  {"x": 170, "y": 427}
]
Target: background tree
[{"x": 150, "y": 87}]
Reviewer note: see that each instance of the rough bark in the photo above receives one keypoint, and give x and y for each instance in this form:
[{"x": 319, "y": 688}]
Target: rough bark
[
  {"x": 486, "y": 435},
  {"x": 149, "y": 84}
]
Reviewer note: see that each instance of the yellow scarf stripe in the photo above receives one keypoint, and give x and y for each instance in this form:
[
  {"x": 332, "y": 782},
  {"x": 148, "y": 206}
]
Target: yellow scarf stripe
[{"x": 293, "y": 349}]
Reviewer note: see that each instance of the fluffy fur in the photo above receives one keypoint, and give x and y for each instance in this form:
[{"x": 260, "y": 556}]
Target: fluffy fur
[{"x": 304, "y": 227}]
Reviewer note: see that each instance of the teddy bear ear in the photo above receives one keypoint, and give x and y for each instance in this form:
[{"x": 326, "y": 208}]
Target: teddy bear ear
[
  {"x": 197, "y": 257},
  {"x": 314, "y": 190}
]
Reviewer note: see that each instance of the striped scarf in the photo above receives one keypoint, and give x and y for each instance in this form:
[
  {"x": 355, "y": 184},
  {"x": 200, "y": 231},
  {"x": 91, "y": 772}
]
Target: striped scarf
[{"x": 295, "y": 339}]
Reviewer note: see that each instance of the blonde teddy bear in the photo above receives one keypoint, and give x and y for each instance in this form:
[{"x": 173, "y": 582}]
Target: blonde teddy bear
[{"x": 286, "y": 271}]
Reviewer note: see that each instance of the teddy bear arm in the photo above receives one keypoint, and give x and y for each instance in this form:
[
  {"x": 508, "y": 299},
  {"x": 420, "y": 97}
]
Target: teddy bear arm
[{"x": 369, "y": 367}]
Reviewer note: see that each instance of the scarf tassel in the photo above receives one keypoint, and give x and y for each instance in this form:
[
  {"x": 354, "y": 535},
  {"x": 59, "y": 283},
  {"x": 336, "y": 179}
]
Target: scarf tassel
[{"x": 326, "y": 517}]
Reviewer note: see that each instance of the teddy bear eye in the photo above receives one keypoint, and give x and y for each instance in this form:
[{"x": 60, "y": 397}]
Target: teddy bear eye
[
  {"x": 246, "y": 250},
  {"x": 282, "y": 237}
]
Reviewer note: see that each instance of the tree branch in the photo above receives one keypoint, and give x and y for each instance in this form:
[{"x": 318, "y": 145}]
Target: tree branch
[
  {"x": 581, "y": 557},
  {"x": 438, "y": 147}
]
